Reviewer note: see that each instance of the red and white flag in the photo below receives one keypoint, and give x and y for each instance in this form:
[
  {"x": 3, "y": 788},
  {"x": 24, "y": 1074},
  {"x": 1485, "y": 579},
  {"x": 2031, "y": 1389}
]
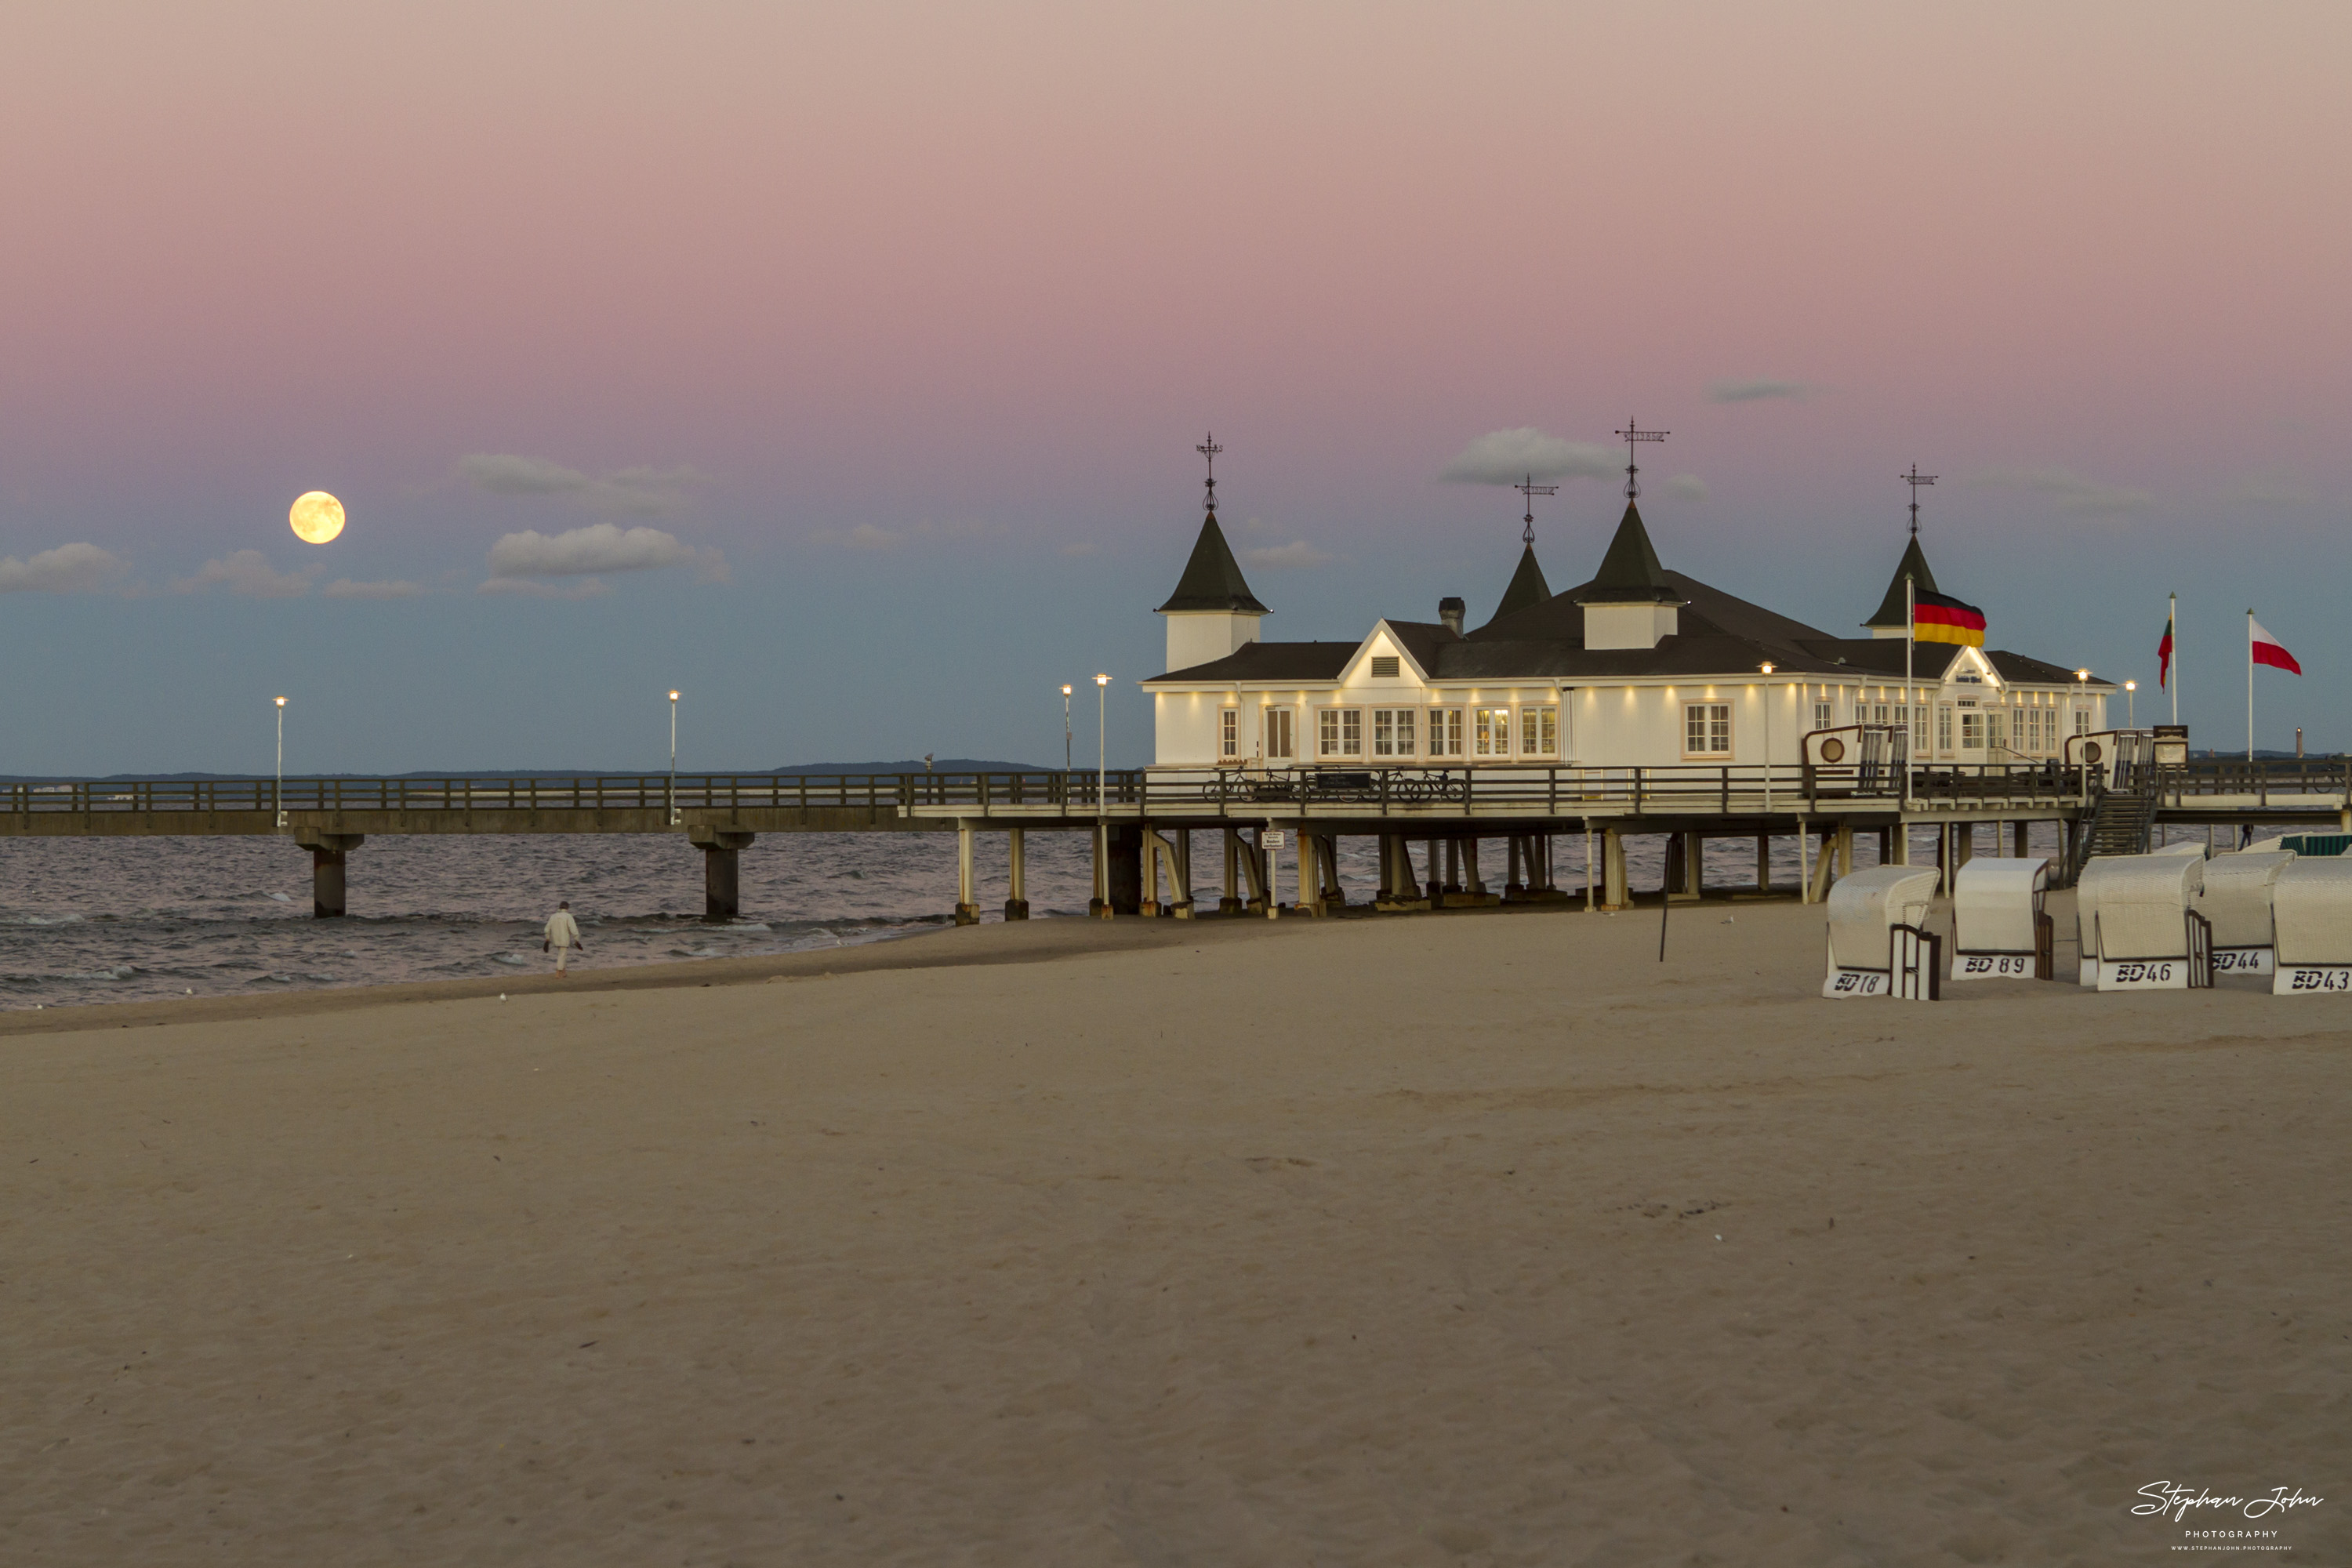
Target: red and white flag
[{"x": 2268, "y": 650}]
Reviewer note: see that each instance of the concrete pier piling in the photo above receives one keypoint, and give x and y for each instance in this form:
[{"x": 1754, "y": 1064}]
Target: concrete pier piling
[
  {"x": 1016, "y": 900},
  {"x": 327, "y": 852},
  {"x": 721, "y": 853}
]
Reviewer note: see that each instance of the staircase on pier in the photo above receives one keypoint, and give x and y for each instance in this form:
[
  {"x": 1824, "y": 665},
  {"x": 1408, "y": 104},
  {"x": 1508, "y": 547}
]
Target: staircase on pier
[{"x": 2124, "y": 821}]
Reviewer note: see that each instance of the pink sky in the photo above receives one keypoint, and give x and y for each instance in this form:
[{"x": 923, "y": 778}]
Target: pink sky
[{"x": 994, "y": 267}]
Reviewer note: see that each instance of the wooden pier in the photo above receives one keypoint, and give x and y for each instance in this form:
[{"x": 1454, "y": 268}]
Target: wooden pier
[{"x": 1142, "y": 820}]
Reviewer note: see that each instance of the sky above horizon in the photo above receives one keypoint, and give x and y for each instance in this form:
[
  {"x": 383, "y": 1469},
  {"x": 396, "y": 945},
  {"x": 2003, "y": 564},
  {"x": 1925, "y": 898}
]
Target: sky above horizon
[{"x": 842, "y": 367}]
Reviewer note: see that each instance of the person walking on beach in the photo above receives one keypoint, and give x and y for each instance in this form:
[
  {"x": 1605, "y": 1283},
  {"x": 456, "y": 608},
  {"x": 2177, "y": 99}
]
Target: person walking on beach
[{"x": 562, "y": 935}]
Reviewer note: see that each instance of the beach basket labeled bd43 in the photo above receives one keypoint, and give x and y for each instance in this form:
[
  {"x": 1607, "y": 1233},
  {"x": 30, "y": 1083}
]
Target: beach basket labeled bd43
[
  {"x": 2237, "y": 904},
  {"x": 2000, "y": 930},
  {"x": 2139, "y": 927},
  {"x": 1878, "y": 942},
  {"x": 2311, "y": 915}
]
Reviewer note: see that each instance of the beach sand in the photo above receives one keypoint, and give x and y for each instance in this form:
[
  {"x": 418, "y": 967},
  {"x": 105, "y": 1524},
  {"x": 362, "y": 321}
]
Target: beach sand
[{"x": 1465, "y": 1238}]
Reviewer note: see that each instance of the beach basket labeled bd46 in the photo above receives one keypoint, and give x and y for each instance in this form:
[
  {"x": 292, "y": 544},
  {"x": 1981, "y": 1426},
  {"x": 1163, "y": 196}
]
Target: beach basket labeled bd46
[
  {"x": 2000, "y": 930},
  {"x": 2237, "y": 902},
  {"x": 2311, "y": 913},
  {"x": 1878, "y": 942},
  {"x": 2139, "y": 927}
]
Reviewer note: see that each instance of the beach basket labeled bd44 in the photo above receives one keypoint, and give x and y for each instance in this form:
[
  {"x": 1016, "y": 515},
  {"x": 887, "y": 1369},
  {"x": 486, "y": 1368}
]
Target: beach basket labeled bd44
[
  {"x": 2000, "y": 930},
  {"x": 2311, "y": 914},
  {"x": 2237, "y": 902},
  {"x": 2139, "y": 927},
  {"x": 1878, "y": 942}
]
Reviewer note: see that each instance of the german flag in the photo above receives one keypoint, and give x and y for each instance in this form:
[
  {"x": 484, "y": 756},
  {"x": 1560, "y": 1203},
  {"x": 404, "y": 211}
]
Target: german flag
[{"x": 1938, "y": 617}]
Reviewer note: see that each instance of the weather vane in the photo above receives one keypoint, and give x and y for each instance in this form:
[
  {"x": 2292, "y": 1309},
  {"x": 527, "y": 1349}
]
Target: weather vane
[
  {"x": 1632, "y": 434},
  {"x": 1532, "y": 489},
  {"x": 1915, "y": 479},
  {"x": 1209, "y": 449}
]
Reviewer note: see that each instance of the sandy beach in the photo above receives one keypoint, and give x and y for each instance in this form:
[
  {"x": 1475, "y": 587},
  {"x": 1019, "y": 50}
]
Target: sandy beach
[{"x": 1468, "y": 1238}]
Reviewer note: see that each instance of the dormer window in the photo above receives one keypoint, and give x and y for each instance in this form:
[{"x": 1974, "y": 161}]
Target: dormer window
[{"x": 1385, "y": 667}]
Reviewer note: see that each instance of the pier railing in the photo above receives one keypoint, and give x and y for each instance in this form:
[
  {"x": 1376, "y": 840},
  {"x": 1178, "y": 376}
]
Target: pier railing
[{"x": 1252, "y": 793}]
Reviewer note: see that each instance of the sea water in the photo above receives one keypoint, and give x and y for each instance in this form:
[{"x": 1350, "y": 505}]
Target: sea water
[{"x": 102, "y": 919}]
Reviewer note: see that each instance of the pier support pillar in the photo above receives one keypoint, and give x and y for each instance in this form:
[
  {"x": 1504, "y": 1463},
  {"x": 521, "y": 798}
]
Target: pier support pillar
[
  {"x": 1472, "y": 882},
  {"x": 1123, "y": 875},
  {"x": 1845, "y": 849},
  {"x": 1690, "y": 866},
  {"x": 327, "y": 852},
  {"x": 2021, "y": 845},
  {"x": 1763, "y": 862},
  {"x": 1436, "y": 883},
  {"x": 1901, "y": 832},
  {"x": 1886, "y": 846},
  {"x": 1515, "y": 876},
  {"x": 1016, "y": 865},
  {"x": 721, "y": 850},
  {"x": 1183, "y": 842},
  {"x": 1612, "y": 869},
  {"x": 1229, "y": 902}
]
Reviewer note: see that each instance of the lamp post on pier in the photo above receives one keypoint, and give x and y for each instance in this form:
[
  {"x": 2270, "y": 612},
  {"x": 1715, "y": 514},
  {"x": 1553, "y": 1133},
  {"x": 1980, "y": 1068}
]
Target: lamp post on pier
[
  {"x": 278, "y": 794},
  {"x": 1102, "y": 794},
  {"x": 673, "y": 759},
  {"x": 1066, "y": 729},
  {"x": 1767, "y": 667},
  {"x": 2131, "y": 705}
]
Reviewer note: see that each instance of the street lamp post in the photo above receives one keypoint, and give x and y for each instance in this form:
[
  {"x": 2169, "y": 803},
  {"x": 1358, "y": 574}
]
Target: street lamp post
[
  {"x": 1102, "y": 789},
  {"x": 673, "y": 759},
  {"x": 278, "y": 794},
  {"x": 1066, "y": 729},
  {"x": 1767, "y": 667},
  {"x": 2131, "y": 704}
]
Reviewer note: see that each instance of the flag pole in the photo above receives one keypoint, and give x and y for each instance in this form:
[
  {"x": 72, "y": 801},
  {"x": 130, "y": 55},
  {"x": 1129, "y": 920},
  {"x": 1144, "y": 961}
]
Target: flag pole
[
  {"x": 2172, "y": 624},
  {"x": 2249, "y": 685},
  {"x": 1910, "y": 697}
]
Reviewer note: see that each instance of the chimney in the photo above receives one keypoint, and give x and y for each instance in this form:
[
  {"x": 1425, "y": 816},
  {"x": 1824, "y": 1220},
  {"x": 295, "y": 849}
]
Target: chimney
[{"x": 1451, "y": 611}]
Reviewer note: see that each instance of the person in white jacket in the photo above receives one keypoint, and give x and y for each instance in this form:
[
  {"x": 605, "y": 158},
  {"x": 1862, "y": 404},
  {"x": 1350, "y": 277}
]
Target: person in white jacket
[{"x": 562, "y": 935}]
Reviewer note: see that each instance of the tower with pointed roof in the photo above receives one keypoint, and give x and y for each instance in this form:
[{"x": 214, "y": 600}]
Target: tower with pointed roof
[
  {"x": 1528, "y": 587},
  {"x": 1212, "y": 611},
  {"x": 1893, "y": 619}
]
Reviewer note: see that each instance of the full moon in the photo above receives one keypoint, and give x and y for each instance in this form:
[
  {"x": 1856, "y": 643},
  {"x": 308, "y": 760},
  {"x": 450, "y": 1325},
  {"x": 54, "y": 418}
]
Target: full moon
[{"x": 317, "y": 517}]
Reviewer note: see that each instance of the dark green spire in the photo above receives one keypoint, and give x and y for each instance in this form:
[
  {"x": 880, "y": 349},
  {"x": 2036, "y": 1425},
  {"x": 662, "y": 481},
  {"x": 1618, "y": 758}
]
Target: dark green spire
[
  {"x": 1629, "y": 574},
  {"x": 1891, "y": 610},
  {"x": 1213, "y": 578},
  {"x": 1528, "y": 587}
]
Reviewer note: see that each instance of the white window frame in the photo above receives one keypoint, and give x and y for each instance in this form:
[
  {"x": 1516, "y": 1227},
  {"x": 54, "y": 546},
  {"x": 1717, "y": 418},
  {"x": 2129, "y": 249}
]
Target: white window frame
[
  {"x": 1538, "y": 730},
  {"x": 1229, "y": 734},
  {"x": 1446, "y": 733},
  {"x": 1339, "y": 732},
  {"x": 1281, "y": 734},
  {"x": 1490, "y": 733},
  {"x": 1944, "y": 728},
  {"x": 1396, "y": 732},
  {"x": 1709, "y": 723}
]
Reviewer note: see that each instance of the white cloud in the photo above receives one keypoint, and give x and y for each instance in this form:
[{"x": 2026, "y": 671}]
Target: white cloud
[
  {"x": 1760, "y": 390},
  {"x": 2068, "y": 489},
  {"x": 344, "y": 588},
  {"x": 645, "y": 491},
  {"x": 249, "y": 573},
  {"x": 1508, "y": 456},
  {"x": 1686, "y": 487},
  {"x": 599, "y": 547},
  {"x": 75, "y": 568},
  {"x": 586, "y": 588},
  {"x": 1297, "y": 553}
]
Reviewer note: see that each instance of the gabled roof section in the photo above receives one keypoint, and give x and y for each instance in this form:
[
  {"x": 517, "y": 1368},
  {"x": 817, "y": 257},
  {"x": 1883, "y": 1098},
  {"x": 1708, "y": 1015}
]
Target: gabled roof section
[
  {"x": 1311, "y": 661},
  {"x": 1630, "y": 573},
  {"x": 1914, "y": 565},
  {"x": 1528, "y": 587},
  {"x": 1213, "y": 579}
]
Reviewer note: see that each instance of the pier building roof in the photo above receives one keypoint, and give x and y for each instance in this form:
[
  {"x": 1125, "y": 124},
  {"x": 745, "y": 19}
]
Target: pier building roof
[
  {"x": 1630, "y": 572},
  {"x": 1528, "y": 587},
  {"x": 1213, "y": 579},
  {"x": 1913, "y": 565}
]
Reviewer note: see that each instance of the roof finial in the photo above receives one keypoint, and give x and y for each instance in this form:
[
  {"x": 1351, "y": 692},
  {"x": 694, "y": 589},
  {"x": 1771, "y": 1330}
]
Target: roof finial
[
  {"x": 1915, "y": 479},
  {"x": 1532, "y": 489},
  {"x": 1632, "y": 434},
  {"x": 1209, "y": 449}
]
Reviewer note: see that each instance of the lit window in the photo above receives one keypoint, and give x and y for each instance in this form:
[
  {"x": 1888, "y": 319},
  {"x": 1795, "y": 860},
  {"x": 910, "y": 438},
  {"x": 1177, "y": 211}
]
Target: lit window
[
  {"x": 1493, "y": 726},
  {"x": 1445, "y": 732},
  {"x": 1229, "y": 733},
  {"x": 1973, "y": 734},
  {"x": 1944, "y": 727},
  {"x": 1824, "y": 715},
  {"x": 1539, "y": 732},
  {"x": 1707, "y": 729}
]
